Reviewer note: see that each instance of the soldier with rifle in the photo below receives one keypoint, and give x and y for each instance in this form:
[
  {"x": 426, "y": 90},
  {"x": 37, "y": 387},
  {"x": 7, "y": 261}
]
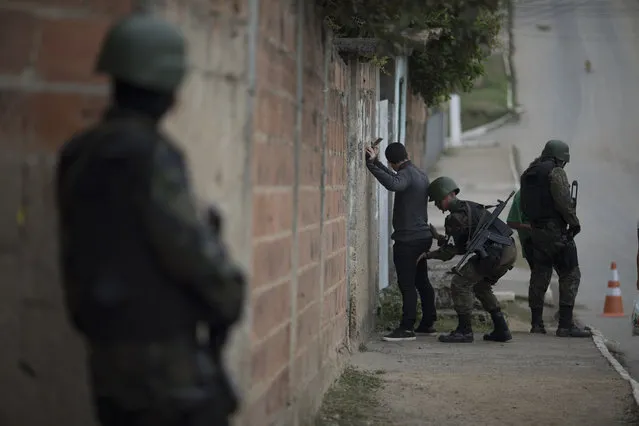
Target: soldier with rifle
[
  {"x": 547, "y": 202},
  {"x": 143, "y": 273},
  {"x": 488, "y": 252}
]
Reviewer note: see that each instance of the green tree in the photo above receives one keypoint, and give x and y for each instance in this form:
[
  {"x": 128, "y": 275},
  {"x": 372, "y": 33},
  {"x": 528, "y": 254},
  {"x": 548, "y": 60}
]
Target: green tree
[{"x": 449, "y": 39}]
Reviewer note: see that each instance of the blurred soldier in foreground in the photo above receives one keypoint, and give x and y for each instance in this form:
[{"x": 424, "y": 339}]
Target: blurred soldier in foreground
[
  {"x": 546, "y": 202},
  {"x": 488, "y": 240},
  {"x": 141, "y": 270}
]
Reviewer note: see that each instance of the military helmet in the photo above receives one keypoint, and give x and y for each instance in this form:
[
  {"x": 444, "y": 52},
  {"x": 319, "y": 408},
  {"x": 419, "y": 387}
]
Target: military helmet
[
  {"x": 144, "y": 51},
  {"x": 440, "y": 188},
  {"x": 556, "y": 149}
]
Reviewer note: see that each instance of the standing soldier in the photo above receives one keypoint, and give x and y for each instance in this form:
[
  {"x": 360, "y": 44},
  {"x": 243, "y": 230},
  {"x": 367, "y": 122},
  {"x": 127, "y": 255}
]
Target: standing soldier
[
  {"x": 546, "y": 202},
  {"x": 141, "y": 271},
  {"x": 477, "y": 277}
]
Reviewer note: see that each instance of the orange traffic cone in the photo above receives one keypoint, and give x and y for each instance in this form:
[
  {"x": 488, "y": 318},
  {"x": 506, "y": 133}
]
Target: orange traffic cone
[{"x": 613, "y": 306}]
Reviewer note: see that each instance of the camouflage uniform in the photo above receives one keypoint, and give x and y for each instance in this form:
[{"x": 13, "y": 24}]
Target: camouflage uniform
[
  {"x": 477, "y": 277},
  {"x": 546, "y": 201},
  {"x": 142, "y": 272}
]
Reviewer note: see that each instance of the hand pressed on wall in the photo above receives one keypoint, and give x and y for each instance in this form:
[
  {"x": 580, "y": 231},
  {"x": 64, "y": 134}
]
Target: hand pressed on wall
[{"x": 371, "y": 153}]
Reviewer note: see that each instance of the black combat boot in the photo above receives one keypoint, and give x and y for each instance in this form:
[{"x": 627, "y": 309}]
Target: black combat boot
[
  {"x": 567, "y": 328},
  {"x": 537, "y": 321},
  {"x": 462, "y": 334},
  {"x": 500, "y": 332}
]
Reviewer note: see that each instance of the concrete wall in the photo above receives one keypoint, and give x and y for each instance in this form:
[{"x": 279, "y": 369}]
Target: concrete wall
[{"x": 274, "y": 123}]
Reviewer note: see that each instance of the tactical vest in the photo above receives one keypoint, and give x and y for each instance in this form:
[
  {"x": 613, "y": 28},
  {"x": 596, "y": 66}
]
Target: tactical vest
[
  {"x": 116, "y": 288},
  {"x": 536, "y": 199},
  {"x": 501, "y": 233}
]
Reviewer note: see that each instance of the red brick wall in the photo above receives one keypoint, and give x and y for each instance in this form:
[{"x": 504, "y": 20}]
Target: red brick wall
[
  {"x": 416, "y": 119},
  {"x": 298, "y": 286}
]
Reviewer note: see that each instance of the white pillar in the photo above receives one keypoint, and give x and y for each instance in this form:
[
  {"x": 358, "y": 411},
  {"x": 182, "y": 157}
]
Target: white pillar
[{"x": 455, "y": 121}]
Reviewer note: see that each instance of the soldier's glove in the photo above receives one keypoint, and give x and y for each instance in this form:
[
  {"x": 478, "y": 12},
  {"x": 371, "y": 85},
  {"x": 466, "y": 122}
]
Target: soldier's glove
[{"x": 574, "y": 230}]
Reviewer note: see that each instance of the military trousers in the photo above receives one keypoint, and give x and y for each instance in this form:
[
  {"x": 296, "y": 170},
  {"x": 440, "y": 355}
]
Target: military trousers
[
  {"x": 473, "y": 283},
  {"x": 550, "y": 251},
  {"x": 111, "y": 413},
  {"x": 527, "y": 250}
]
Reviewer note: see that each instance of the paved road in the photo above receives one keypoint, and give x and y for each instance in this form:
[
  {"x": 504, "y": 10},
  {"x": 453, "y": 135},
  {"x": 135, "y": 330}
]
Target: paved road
[
  {"x": 533, "y": 380},
  {"x": 598, "y": 115}
]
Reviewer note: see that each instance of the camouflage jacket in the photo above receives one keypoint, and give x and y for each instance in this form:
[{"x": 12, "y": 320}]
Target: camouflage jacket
[{"x": 140, "y": 267}]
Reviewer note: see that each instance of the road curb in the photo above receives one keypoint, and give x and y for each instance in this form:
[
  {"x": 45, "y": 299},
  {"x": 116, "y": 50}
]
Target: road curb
[{"x": 600, "y": 342}]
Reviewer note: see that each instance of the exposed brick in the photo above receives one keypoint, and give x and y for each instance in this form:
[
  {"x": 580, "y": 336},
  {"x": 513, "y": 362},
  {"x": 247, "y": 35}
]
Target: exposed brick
[
  {"x": 309, "y": 207},
  {"x": 308, "y": 246},
  {"x": 331, "y": 336},
  {"x": 57, "y": 116},
  {"x": 274, "y": 399},
  {"x": 271, "y": 261},
  {"x": 335, "y": 170},
  {"x": 334, "y": 303},
  {"x": 17, "y": 38},
  {"x": 69, "y": 47},
  {"x": 334, "y": 204},
  {"x": 268, "y": 116},
  {"x": 272, "y": 213},
  {"x": 271, "y": 309},
  {"x": 273, "y": 164},
  {"x": 308, "y": 325},
  {"x": 334, "y": 235},
  {"x": 271, "y": 355},
  {"x": 308, "y": 287},
  {"x": 307, "y": 362},
  {"x": 335, "y": 268},
  {"x": 310, "y": 165}
]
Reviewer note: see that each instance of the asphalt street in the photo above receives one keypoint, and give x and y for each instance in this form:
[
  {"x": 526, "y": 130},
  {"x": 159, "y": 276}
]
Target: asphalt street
[{"x": 597, "y": 113}]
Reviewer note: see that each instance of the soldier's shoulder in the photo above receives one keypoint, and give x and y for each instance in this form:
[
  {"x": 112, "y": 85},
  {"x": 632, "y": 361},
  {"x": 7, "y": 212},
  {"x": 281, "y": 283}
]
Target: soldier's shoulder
[
  {"x": 110, "y": 140},
  {"x": 558, "y": 173}
]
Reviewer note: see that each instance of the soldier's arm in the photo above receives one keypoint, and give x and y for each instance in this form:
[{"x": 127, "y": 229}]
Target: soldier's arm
[
  {"x": 444, "y": 253},
  {"x": 455, "y": 226},
  {"x": 392, "y": 181},
  {"x": 560, "y": 190},
  {"x": 185, "y": 246}
]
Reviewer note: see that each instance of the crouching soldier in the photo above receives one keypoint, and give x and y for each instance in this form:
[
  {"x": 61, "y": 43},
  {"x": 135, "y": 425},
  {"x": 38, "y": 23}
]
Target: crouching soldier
[{"x": 481, "y": 272}]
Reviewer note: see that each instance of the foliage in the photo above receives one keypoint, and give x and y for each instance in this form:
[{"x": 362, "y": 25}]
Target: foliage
[{"x": 467, "y": 33}]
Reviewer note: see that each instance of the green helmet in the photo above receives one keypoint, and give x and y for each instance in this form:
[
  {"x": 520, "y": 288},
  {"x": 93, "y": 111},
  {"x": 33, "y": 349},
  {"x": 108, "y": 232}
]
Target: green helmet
[
  {"x": 556, "y": 149},
  {"x": 144, "y": 51},
  {"x": 440, "y": 188}
]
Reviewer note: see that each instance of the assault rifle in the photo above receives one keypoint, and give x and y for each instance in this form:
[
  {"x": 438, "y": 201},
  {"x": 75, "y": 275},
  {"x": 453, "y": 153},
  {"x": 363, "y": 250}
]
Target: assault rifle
[{"x": 482, "y": 234}]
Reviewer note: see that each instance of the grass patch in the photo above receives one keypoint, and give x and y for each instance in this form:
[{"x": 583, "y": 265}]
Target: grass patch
[
  {"x": 487, "y": 101},
  {"x": 352, "y": 400}
]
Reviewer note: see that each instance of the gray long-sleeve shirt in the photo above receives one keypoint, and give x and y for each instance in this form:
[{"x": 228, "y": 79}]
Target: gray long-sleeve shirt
[{"x": 410, "y": 184}]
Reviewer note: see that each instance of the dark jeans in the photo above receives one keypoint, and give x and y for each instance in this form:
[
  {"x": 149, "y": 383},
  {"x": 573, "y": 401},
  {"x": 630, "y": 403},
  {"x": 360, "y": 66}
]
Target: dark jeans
[
  {"x": 111, "y": 414},
  {"x": 413, "y": 278}
]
